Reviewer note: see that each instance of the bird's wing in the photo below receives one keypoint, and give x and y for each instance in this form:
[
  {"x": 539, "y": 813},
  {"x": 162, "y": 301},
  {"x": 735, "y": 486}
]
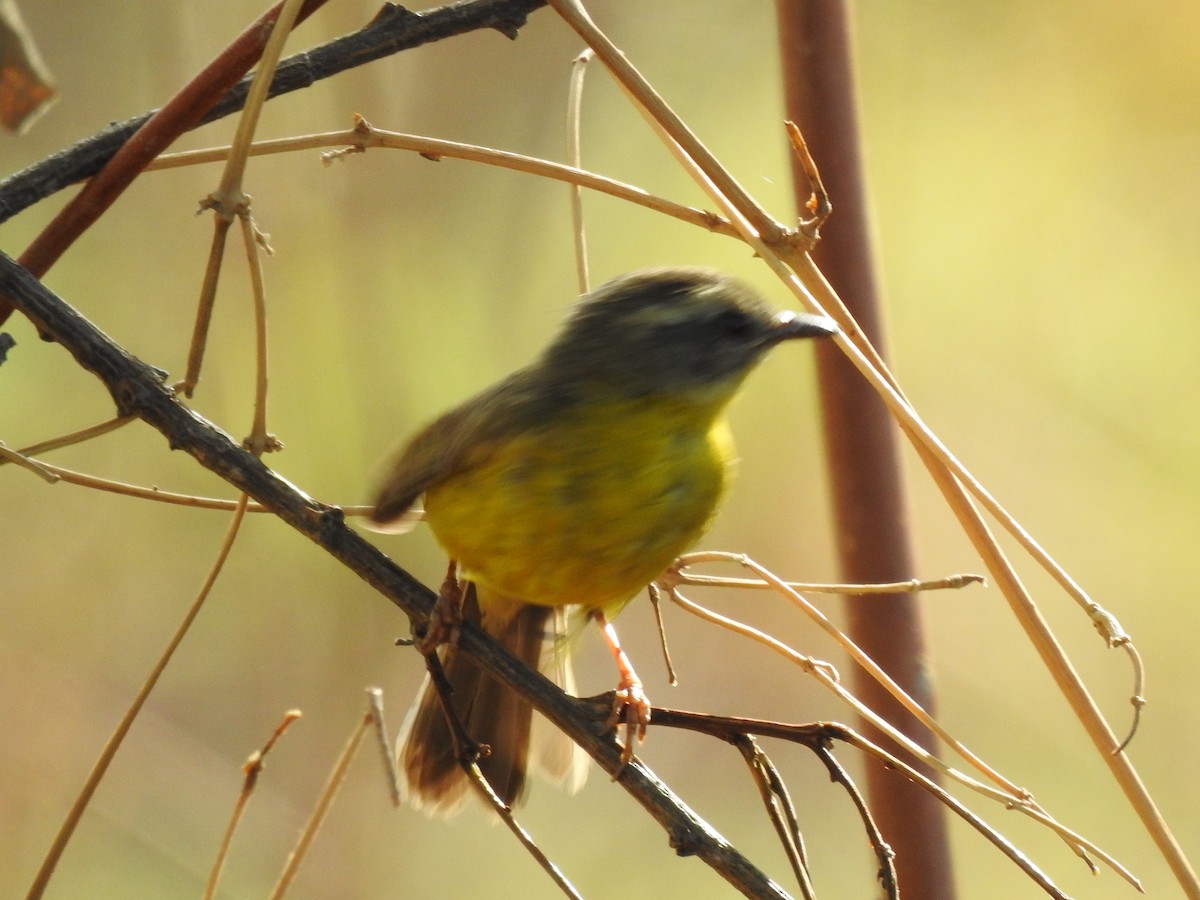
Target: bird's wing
[{"x": 458, "y": 440}]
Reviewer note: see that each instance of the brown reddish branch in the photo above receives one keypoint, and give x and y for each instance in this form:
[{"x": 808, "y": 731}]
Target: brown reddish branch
[
  {"x": 180, "y": 114},
  {"x": 215, "y": 92},
  {"x": 862, "y": 446}
]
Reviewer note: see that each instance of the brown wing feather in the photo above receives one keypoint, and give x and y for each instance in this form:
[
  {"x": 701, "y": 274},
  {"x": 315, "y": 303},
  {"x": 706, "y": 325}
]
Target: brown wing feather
[{"x": 462, "y": 438}]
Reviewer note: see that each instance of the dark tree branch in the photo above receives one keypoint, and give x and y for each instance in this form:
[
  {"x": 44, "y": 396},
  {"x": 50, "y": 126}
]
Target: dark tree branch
[
  {"x": 393, "y": 30},
  {"x": 138, "y": 390}
]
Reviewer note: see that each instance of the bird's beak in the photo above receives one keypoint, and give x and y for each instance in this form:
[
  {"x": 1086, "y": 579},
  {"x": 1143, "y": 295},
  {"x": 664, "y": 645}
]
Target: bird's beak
[{"x": 789, "y": 324}]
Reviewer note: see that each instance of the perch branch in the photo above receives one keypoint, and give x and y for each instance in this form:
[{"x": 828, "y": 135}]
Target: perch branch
[{"x": 138, "y": 390}]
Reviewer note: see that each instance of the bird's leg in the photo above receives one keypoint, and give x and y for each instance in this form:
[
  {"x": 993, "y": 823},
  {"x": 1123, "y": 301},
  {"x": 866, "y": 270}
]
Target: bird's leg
[
  {"x": 446, "y": 616},
  {"x": 631, "y": 706},
  {"x": 467, "y": 750}
]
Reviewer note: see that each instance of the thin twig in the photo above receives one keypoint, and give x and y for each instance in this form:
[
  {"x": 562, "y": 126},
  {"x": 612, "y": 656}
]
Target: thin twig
[
  {"x": 252, "y": 769},
  {"x": 790, "y": 261},
  {"x": 818, "y": 204},
  {"x": 883, "y": 853},
  {"x": 260, "y": 440},
  {"x": 41, "y": 470},
  {"x": 76, "y": 437},
  {"x": 70, "y": 476},
  {"x": 816, "y": 735},
  {"x": 364, "y": 136},
  {"x": 375, "y": 710},
  {"x": 113, "y": 744},
  {"x": 145, "y": 493},
  {"x": 774, "y": 795},
  {"x": 204, "y": 307},
  {"x": 574, "y": 158},
  {"x": 329, "y": 792},
  {"x": 523, "y": 837},
  {"x": 656, "y": 604},
  {"x": 950, "y": 582}
]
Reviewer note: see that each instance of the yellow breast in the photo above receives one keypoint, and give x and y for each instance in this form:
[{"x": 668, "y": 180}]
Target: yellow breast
[{"x": 588, "y": 508}]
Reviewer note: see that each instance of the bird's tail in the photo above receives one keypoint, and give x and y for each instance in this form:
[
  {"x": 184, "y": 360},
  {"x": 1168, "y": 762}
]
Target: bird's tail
[{"x": 490, "y": 713}]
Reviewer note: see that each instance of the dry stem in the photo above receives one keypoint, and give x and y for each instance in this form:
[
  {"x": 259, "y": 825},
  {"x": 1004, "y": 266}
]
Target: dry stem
[
  {"x": 792, "y": 264},
  {"x": 252, "y": 769},
  {"x": 113, "y": 744}
]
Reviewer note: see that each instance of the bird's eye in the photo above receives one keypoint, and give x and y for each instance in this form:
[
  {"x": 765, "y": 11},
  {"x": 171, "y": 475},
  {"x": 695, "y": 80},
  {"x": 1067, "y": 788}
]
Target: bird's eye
[{"x": 734, "y": 323}]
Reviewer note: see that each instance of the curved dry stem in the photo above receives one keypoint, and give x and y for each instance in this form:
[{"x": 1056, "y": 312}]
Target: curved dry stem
[
  {"x": 574, "y": 157},
  {"x": 382, "y": 733},
  {"x": 818, "y": 202},
  {"x": 915, "y": 585},
  {"x": 883, "y": 853},
  {"x": 1010, "y": 795},
  {"x": 194, "y": 501},
  {"x": 260, "y": 440},
  {"x": 801, "y": 276},
  {"x": 204, "y": 307},
  {"x": 1138, "y": 700},
  {"x": 76, "y": 437},
  {"x": 41, "y": 470},
  {"x": 113, "y": 744},
  {"x": 70, "y": 476},
  {"x": 365, "y": 136}
]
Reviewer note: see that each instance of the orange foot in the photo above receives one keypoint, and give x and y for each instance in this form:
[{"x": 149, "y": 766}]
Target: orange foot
[
  {"x": 631, "y": 706},
  {"x": 631, "y": 714},
  {"x": 446, "y": 616}
]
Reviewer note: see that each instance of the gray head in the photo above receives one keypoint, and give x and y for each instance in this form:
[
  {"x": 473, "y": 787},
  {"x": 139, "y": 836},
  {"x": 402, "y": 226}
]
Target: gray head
[{"x": 672, "y": 329}]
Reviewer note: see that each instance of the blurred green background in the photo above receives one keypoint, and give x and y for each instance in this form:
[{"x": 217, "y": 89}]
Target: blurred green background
[{"x": 1034, "y": 172}]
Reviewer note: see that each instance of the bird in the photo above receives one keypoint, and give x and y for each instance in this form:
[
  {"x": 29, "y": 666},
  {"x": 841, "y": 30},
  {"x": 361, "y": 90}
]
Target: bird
[{"x": 572, "y": 484}]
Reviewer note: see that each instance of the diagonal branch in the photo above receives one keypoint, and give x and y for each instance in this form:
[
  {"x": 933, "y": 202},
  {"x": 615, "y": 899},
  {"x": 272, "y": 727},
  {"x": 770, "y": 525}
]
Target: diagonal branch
[
  {"x": 392, "y": 31},
  {"x": 138, "y": 390}
]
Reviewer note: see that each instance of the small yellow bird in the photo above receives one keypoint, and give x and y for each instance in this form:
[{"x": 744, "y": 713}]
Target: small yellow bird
[{"x": 574, "y": 482}]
